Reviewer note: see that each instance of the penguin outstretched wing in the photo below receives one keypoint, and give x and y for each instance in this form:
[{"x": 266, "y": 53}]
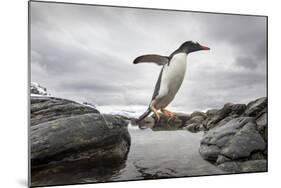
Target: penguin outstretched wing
[{"x": 152, "y": 58}]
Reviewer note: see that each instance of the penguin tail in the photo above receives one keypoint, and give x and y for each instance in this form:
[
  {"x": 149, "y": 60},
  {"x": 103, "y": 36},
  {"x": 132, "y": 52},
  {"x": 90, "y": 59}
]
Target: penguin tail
[{"x": 144, "y": 115}]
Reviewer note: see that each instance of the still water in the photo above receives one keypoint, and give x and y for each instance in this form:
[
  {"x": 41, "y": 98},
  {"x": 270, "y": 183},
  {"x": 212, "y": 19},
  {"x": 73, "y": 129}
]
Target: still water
[
  {"x": 160, "y": 154},
  {"x": 153, "y": 154}
]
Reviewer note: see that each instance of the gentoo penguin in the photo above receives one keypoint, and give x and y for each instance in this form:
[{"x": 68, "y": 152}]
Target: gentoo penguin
[{"x": 170, "y": 77}]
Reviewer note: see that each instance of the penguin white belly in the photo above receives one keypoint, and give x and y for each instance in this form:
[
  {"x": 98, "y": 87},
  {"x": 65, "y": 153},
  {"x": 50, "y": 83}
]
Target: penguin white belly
[{"x": 171, "y": 80}]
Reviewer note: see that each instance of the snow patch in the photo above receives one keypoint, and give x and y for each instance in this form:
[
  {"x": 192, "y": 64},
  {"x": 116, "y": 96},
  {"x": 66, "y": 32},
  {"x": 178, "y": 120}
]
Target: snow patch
[{"x": 38, "y": 90}]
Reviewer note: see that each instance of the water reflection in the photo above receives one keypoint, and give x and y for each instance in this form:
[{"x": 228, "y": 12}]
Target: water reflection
[
  {"x": 75, "y": 172},
  {"x": 164, "y": 154},
  {"x": 153, "y": 154}
]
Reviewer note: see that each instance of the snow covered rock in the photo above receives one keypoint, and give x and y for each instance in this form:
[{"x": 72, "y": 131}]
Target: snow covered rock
[{"x": 37, "y": 89}]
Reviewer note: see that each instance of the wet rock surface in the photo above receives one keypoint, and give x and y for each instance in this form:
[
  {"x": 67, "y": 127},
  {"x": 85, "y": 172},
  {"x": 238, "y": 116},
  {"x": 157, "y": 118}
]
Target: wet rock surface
[
  {"x": 64, "y": 132},
  {"x": 46, "y": 109},
  {"x": 235, "y": 137}
]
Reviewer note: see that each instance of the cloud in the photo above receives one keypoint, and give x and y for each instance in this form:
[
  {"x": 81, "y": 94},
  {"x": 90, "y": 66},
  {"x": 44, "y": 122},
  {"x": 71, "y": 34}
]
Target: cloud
[
  {"x": 246, "y": 62},
  {"x": 86, "y": 53}
]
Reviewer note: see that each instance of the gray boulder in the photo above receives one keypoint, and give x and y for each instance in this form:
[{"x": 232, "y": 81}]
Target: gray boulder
[
  {"x": 195, "y": 123},
  {"x": 45, "y": 109},
  {"x": 195, "y": 119},
  {"x": 65, "y": 131},
  {"x": 255, "y": 107},
  {"x": 261, "y": 121},
  {"x": 228, "y": 112},
  {"x": 236, "y": 137},
  {"x": 194, "y": 127},
  {"x": 211, "y": 112}
]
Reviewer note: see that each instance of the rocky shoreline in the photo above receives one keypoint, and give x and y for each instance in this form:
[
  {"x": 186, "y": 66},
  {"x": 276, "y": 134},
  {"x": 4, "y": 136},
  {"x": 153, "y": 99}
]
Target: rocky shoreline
[
  {"x": 67, "y": 135},
  {"x": 235, "y": 136},
  {"x": 238, "y": 142}
]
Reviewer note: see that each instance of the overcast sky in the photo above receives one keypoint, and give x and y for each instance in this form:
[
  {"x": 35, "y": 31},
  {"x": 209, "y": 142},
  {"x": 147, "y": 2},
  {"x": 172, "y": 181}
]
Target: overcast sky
[{"x": 85, "y": 53}]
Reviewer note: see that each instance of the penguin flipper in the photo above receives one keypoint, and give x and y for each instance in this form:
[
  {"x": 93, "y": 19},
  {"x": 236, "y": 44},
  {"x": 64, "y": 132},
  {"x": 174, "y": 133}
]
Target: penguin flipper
[{"x": 152, "y": 58}]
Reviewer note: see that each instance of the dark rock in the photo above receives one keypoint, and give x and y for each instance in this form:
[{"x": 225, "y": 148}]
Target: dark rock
[
  {"x": 255, "y": 107},
  {"x": 115, "y": 120},
  {"x": 211, "y": 121},
  {"x": 238, "y": 109},
  {"x": 232, "y": 167},
  {"x": 246, "y": 166},
  {"x": 194, "y": 124},
  {"x": 228, "y": 112},
  {"x": 197, "y": 119},
  {"x": 258, "y": 156},
  {"x": 64, "y": 131},
  {"x": 244, "y": 142},
  {"x": 235, "y": 137},
  {"x": 194, "y": 127},
  {"x": 225, "y": 120},
  {"x": 211, "y": 112},
  {"x": 222, "y": 159},
  {"x": 44, "y": 109},
  {"x": 261, "y": 121},
  {"x": 209, "y": 153}
]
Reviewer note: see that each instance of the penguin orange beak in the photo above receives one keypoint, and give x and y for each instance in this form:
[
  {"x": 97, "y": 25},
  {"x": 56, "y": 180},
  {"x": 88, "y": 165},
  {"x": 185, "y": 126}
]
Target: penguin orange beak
[{"x": 204, "y": 47}]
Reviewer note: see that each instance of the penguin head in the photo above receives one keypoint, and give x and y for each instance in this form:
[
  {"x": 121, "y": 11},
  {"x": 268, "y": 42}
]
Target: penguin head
[{"x": 190, "y": 46}]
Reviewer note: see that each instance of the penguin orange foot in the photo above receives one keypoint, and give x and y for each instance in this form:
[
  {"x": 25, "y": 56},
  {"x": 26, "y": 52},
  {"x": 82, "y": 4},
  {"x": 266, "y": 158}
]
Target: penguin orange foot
[{"x": 167, "y": 113}]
